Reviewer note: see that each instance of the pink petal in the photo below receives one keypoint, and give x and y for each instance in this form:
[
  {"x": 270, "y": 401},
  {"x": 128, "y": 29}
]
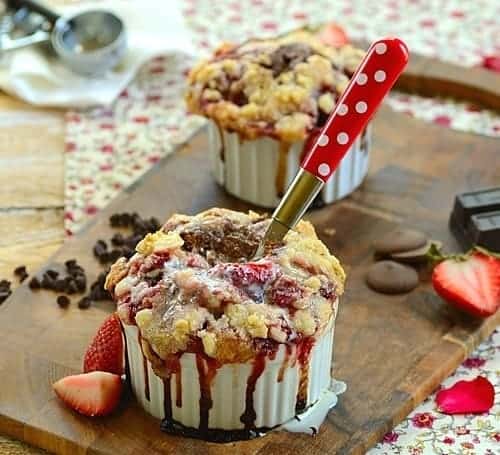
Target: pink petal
[{"x": 464, "y": 397}]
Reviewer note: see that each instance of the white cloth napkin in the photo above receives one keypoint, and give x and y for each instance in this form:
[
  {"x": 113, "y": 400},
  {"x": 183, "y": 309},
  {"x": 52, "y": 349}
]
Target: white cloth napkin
[{"x": 154, "y": 27}]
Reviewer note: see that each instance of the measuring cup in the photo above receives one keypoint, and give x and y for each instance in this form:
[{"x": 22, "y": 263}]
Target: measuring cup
[{"x": 90, "y": 43}]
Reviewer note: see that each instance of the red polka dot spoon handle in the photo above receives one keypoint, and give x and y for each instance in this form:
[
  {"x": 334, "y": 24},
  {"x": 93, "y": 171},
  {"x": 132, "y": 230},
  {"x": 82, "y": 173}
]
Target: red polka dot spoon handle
[
  {"x": 382, "y": 65},
  {"x": 377, "y": 73}
]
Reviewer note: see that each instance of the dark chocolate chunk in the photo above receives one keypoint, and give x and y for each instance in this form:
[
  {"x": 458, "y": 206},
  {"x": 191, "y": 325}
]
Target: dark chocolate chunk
[
  {"x": 5, "y": 284},
  {"x": 285, "y": 57},
  {"x": 117, "y": 239},
  {"x": 398, "y": 241},
  {"x": 474, "y": 202},
  {"x": 474, "y": 219},
  {"x": 100, "y": 249},
  {"x": 63, "y": 301},
  {"x": 389, "y": 277},
  {"x": 81, "y": 282},
  {"x": 34, "y": 283},
  {"x": 84, "y": 303},
  {"x": 484, "y": 230},
  {"x": 70, "y": 264}
]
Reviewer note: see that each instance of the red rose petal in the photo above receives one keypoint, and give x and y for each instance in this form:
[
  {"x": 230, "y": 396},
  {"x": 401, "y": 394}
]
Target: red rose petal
[{"x": 467, "y": 397}]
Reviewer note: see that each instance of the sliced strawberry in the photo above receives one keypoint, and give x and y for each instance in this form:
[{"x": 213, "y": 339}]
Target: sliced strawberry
[
  {"x": 333, "y": 35},
  {"x": 470, "y": 282},
  {"x": 91, "y": 394},
  {"x": 105, "y": 353}
]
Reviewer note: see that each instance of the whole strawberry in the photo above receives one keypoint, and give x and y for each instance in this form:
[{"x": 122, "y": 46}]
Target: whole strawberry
[
  {"x": 470, "y": 282},
  {"x": 105, "y": 353}
]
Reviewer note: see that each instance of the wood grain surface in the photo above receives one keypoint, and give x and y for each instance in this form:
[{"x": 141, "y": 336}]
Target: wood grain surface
[{"x": 392, "y": 351}]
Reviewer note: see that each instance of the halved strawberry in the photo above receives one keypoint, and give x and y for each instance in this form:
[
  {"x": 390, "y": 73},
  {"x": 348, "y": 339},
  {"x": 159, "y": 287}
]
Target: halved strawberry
[
  {"x": 470, "y": 282},
  {"x": 91, "y": 394},
  {"x": 333, "y": 35},
  {"x": 105, "y": 353}
]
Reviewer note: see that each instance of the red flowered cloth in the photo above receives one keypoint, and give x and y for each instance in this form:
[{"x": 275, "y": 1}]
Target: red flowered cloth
[{"x": 107, "y": 149}]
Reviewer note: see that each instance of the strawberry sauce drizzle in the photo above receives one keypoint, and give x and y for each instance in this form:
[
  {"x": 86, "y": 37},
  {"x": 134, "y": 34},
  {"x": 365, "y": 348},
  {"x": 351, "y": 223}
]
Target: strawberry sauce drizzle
[
  {"x": 249, "y": 415},
  {"x": 304, "y": 348},
  {"x": 207, "y": 368}
]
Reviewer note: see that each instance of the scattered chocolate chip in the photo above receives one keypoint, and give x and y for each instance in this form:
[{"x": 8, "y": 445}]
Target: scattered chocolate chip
[
  {"x": 4, "y": 294},
  {"x": 52, "y": 273},
  {"x": 63, "y": 301},
  {"x": 97, "y": 291},
  {"x": 398, "y": 241},
  {"x": 389, "y": 277},
  {"x": 117, "y": 239},
  {"x": 5, "y": 290},
  {"x": 47, "y": 282},
  {"x": 60, "y": 285},
  {"x": 70, "y": 264},
  {"x": 72, "y": 287},
  {"x": 34, "y": 283},
  {"x": 20, "y": 271},
  {"x": 81, "y": 282},
  {"x": 84, "y": 303},
  {"x": 100, "y": 249}
]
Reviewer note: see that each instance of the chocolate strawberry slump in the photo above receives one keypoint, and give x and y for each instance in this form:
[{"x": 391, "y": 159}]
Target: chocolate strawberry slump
[{"x": 192, "y": 287}]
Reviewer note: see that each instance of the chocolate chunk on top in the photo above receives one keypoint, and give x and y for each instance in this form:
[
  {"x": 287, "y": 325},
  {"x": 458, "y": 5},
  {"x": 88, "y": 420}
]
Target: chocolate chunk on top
[
  {"x": 398, "y": 241},
  {"x": 389, "y": 277}
]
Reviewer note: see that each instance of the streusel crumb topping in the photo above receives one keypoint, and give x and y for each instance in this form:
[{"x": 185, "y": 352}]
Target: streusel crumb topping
[
  {"x": 193, "y": 285},
  {"x": 282, "y": 88}
]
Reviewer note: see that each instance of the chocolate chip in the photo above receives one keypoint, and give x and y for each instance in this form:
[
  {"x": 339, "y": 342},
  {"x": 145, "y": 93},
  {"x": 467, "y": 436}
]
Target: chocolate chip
[
  {"x": 72, "y": 287},
  {"x": 4, "y": 284},
  {"x": 117, "y": 239},
  {"x": 23, "y": 277},
  {"x": 4, "y": 294},
  {"x": 100, "y": 249},
  {"x": 389, "y": 277},
  {"x": 398, "y": 241},
  {"x": 70, "y": 264},
  {"x": 52, "y": 273},
  {"x": 84, "y": 303},
  {"x": 34, "y": 283},
  {"x": 81, "y": 282},
  {"x": 47, "y": 282},
  {"x": 63, "y": 301},
  {"x": 20, "y": 271},
  {"x": 60, "y": 285}
]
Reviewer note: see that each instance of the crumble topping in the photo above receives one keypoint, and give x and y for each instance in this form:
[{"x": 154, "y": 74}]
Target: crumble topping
[
  {"x": 282, "y": 88},
  {"x": 194, "y": 286}
]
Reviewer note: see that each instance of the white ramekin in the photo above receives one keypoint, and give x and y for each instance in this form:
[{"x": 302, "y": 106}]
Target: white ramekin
[
  {"x": 274, "y": 402},
  {"x": 248, "y": 169}
]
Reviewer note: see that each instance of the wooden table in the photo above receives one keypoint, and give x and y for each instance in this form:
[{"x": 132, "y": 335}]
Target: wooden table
[{"x": 31, "y": 196}]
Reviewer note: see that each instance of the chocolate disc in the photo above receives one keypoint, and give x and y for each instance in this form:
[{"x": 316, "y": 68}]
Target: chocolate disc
[
  {"x": 398, "y": 241},
  {"x": 417, "y": 255},
  {"x": 389, "y": 277}
]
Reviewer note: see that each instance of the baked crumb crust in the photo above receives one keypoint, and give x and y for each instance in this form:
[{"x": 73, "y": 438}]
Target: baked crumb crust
[
  {"x": 282, "y": 88},
  {"x": 192, "y": 287}
]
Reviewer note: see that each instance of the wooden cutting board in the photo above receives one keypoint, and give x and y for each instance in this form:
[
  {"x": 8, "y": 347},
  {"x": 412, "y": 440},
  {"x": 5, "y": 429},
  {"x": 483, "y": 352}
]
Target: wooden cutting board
[{"x": 391, "y": 351}]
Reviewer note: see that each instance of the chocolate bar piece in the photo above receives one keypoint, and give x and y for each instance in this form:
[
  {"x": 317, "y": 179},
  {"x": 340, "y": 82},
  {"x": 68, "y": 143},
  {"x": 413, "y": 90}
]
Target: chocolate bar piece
[{"x": 475, "y": 219}]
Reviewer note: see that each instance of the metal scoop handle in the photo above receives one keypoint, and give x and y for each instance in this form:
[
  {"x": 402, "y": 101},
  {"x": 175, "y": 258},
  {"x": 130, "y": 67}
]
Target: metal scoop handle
[{"x": 36, "y": 7}]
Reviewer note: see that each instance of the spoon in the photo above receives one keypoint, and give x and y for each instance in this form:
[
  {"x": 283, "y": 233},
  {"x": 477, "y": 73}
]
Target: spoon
[
  {"x": 376, "y": 74},
  {"x": 90, "y": 43}
]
